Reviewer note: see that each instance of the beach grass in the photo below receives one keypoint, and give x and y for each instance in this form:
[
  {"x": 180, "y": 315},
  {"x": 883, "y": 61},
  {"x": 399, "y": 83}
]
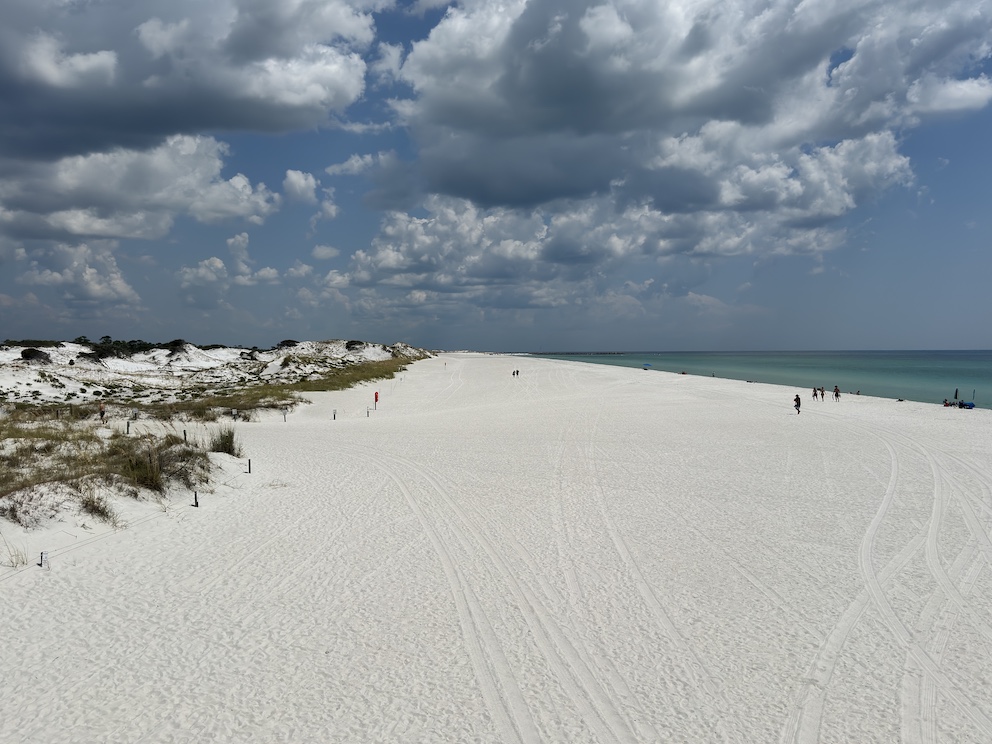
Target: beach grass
[
  {"x": 242, "y": 402},
  {"x": 46, "y": 444},
  {"x": 225, "y": 441},
  {"x": 76, "y": 461}
]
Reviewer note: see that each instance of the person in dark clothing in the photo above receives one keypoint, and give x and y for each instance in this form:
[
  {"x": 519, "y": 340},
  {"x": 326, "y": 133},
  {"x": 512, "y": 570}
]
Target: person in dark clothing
[{"x": 798, "y": 402}]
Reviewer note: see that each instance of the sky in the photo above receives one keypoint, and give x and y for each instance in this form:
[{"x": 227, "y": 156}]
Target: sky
[{"x": 543, "y": 175}]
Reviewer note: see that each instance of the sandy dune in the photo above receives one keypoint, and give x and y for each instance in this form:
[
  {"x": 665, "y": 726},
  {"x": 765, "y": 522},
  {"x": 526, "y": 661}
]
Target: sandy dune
[{"x": 580, "y": 553}]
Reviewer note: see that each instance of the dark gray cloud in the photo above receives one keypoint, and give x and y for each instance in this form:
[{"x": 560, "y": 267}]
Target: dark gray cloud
[
  {"x": 565, "y": 98},
  {"x": 522, "y": 172},
  {"x": 91, "y": 77},
  {"x": 397, "y": 185},
  {"x": 669, "y": 189}
]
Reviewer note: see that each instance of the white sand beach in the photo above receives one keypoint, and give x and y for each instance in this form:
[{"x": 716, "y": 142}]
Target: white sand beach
[{"x": 580, "y": 553}]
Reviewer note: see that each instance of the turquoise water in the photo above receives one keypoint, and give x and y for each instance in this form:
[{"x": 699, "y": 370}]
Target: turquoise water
[{"x": 927, "y": 376}]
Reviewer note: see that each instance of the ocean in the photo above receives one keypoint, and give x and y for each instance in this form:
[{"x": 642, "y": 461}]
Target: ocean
[{"x": 926, "y": 376}]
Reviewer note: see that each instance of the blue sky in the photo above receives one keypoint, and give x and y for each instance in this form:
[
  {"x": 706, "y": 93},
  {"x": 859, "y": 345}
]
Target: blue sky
[{"x": 507, "y": 176}]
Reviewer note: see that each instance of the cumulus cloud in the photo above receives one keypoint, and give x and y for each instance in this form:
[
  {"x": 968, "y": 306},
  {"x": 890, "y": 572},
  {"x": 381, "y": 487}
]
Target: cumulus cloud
[
  {"x": 128, "y": 193},
  {"x": 560, "y": 143},
  {"x": 352, "y": 166},
  {"x": 175, "y": 68},
  {"x": 299, "y": 270},
  {"x": 45, "y": 61},
  {"x": 240, "y": 269},
  {"x": 207, "y": 284},
  {"x": 207, "y": 272},
  {"x": 328, "y": 209},
  {"x": 301, "y": 186},
  {"x": 552, "y": 100},
  {"x": 933, "y": 95},
  {"x": 386, "y": 68},
  {"x": 87, "y": 276}
]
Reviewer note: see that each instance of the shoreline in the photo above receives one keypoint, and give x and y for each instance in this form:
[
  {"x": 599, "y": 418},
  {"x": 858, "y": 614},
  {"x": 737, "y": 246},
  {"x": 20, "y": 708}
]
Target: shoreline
[{"x": 922, "y": 376}]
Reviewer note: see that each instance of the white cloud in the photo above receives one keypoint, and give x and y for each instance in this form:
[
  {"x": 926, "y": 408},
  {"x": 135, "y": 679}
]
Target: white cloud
[
  {"x": 324, "y": 252},
  {"x": 161, "y": 38},
  {"x": 299, "y": 270},
  {"x": 210, "y": 271},
  {"x": 318, "y": 78},
  {"x": 933, "y": 95},
  {"x": 86, "y": 274},
  {"x": 328, "y": 209},
  {"x": 240, "y": 269},
  {"x": 235, "y": 197},
  {"x": 45, "y": 61},
  {"x": 352, "y": 166},
  {"x": 605, "y": 29},
  {"x": 238, "y": 246},
  {"x": 301, "y": 186},
  {"x": 510, "y": 97},
  {"x": 127, "y": 193},
  {"x": 386, "y": 68},
  {"x": 336, "y": 280},
  {"x": 268, "y": 275}
]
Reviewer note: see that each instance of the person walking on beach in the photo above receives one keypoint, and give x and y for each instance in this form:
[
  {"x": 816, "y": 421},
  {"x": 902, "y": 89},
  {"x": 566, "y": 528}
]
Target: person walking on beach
[
  {"x": 103, "y": 411},
  {"x": 836, "y": 393},
  {"x": 815, "y": 393},
  {"x": 798, "y": 402},
  {"x": 823, "y": 394}
]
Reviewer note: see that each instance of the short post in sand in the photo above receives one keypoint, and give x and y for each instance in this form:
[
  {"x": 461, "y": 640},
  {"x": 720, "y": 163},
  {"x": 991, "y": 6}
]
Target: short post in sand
[
  {"x": 196, "y": 500},
  {"x": 376, "y": 404},
  {"x": 43, "y": 561},
  {"x": 334, "y": 415}
]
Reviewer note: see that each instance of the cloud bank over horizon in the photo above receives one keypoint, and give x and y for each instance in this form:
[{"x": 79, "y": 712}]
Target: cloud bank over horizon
[{"x": 509, "y": 175}]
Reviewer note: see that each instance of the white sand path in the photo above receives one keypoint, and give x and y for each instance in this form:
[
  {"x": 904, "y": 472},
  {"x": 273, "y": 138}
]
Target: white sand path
[{"x": 580, "y": 553}]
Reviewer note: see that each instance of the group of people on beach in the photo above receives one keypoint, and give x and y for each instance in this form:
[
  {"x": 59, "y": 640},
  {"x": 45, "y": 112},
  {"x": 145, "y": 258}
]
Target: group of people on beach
[{"x": 820, "y": 393}]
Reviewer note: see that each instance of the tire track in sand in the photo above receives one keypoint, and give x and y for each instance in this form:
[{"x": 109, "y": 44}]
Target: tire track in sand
[
  {"x": 803, "y": 724},
  {"x": 572, "y": 672},
  {"x": 945, "y": 685},
  {"x": 949, "y": 602},
  {"x": 499, "y": 688}
]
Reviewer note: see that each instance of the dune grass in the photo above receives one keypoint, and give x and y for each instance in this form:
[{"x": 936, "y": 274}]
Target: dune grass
[
  {"x": 346, "y": 377},
  {"x": 42, "y": 445},
  {"x": 241, "y": 402},
  {"x": 36, "y": 456},
  {"x": 225, "y": 441}
]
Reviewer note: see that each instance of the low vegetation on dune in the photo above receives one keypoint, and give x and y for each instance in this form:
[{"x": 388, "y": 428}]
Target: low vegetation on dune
[
  {"x": 219, "y": 403},
  {"x": 54, "y": 457},
  {"x": 49, "y": 464}
]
